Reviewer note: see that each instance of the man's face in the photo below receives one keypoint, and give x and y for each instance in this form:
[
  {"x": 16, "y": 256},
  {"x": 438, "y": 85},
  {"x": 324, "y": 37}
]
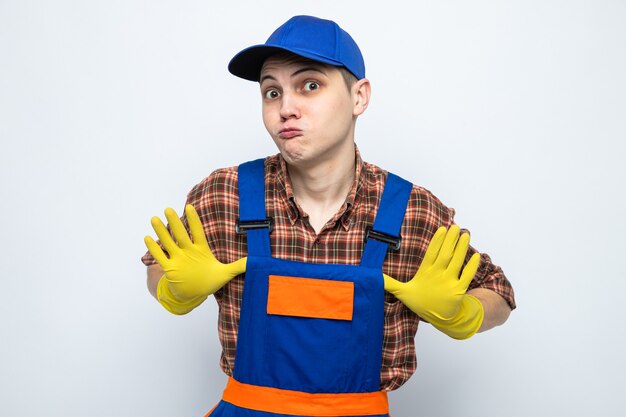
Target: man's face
[{"x": 307, "y": 109}]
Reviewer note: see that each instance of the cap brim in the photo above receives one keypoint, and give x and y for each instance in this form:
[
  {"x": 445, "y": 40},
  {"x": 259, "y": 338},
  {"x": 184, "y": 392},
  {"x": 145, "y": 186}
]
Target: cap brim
[{"x": 247, "y": 64}]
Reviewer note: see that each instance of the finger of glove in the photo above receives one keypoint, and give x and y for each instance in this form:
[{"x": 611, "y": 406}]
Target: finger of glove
[
  {"x": 469, "y": 271},
  {"x": 460, "y": 251},
  {"x": 195, "y": 226},
  {"x": 447, "y": 248},
  {"x": 156, "y": 251},
  {"x": 164, "y": 236},
  {"x": 392, "y": 285},
  {"x": 178, "y": 229},
  {"x": 434, "y": 247},
  {"x": 238, "y": 267}
]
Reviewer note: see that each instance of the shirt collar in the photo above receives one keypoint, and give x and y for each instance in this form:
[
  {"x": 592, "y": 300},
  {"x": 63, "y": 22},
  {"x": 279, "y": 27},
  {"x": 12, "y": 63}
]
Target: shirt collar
[{"x": 346, "y": 211}]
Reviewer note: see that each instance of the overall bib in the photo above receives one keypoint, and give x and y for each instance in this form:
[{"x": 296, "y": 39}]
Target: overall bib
[{"x": 310, "y": 335}]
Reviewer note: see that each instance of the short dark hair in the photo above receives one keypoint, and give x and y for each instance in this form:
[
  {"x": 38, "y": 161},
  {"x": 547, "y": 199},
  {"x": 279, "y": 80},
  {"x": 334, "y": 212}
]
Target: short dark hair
[{"x": 348, "y": 78}]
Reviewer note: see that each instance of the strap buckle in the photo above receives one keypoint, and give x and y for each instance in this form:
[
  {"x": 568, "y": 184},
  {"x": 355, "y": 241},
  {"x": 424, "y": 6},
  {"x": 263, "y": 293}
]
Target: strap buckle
[
  {"x": 392, "y": 241},
  {"x": 241, "y": 227}
]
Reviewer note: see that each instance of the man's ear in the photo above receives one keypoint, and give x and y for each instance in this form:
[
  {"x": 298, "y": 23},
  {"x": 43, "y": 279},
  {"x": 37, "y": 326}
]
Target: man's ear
[{"x": 361, "y": 91}]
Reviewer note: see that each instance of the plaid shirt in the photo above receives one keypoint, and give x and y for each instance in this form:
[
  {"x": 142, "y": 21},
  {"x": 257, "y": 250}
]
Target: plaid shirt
[{"x": 341, "y": 241}]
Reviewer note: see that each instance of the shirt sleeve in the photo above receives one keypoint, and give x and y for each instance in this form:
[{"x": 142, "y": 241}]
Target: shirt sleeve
[{"x": 491, "y": 277}]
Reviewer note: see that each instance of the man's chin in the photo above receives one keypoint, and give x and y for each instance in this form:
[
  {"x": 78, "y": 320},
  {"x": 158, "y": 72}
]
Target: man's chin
[{"x": 292, "y": 151}]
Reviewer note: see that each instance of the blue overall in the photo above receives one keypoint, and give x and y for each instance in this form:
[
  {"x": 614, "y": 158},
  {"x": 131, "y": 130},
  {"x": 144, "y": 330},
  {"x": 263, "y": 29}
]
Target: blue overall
[{"x": 301, "y": 355}]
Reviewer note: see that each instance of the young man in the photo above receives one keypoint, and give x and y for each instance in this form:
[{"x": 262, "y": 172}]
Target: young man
[{"x": 308, "y": 329}]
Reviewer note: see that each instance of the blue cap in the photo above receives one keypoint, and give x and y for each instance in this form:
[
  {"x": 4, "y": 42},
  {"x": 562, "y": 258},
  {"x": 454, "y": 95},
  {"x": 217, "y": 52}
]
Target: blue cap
[{"x": 311, "y": 37}]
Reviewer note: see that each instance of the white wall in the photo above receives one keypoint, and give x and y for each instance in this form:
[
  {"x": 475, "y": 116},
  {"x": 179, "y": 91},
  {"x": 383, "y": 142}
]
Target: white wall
[{"x": 513, "y": 112}]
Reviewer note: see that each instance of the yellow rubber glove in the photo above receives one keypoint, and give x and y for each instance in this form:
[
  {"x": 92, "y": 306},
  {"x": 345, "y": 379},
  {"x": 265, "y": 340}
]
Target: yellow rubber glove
[
  {"x": 436, "y": 293},
  {"x": 192, "y": 273}
]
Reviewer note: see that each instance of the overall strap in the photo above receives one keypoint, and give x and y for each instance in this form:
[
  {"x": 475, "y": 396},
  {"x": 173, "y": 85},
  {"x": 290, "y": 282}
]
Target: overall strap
[
  {"x": 253, "y": 220},
  {"x": 385, "y": 234}
]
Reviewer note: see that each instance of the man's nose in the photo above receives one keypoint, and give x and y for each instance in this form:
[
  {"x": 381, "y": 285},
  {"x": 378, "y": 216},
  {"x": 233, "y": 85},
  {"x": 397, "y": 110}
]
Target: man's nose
[{"x": 289, "y": 106}]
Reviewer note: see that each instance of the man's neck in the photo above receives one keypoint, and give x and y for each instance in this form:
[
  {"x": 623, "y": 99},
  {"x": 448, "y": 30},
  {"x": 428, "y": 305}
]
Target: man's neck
[{"x": 321, "y": 190}]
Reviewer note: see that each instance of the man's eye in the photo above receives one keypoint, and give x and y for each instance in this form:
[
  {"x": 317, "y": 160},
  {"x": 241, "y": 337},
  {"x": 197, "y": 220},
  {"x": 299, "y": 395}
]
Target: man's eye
[
  {"x": 311, "y": 85},
  {"x": 271, "y": 94}
]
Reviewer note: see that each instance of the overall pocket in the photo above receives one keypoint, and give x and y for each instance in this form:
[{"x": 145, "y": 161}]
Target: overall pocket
[{"x": 308, "y": 332}]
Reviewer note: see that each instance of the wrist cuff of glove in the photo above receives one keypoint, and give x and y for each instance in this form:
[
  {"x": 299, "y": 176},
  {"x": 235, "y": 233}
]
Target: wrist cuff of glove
[
  {"x": 467, "y": 321},
  {"x": 171, "y": 303}
]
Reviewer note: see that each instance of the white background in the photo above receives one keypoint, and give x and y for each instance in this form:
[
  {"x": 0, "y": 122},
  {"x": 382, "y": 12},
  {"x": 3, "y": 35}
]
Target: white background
[{"x": 512, "y": 112}]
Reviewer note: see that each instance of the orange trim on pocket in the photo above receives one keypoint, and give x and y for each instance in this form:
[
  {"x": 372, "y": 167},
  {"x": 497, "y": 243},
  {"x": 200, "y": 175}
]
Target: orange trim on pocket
[
  {"x": 280, "y": 401},
  {"x": 310, "y": 297}
]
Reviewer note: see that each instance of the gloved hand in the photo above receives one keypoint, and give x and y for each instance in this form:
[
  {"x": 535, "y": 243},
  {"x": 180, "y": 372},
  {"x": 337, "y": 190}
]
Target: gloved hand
[
  {"x": 436, "y": 293},
  {"x": 192, "y": 273}
]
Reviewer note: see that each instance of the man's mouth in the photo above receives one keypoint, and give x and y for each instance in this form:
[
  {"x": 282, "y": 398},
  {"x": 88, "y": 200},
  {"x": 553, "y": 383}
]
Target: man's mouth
[{"x": 289, "y": 133}]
